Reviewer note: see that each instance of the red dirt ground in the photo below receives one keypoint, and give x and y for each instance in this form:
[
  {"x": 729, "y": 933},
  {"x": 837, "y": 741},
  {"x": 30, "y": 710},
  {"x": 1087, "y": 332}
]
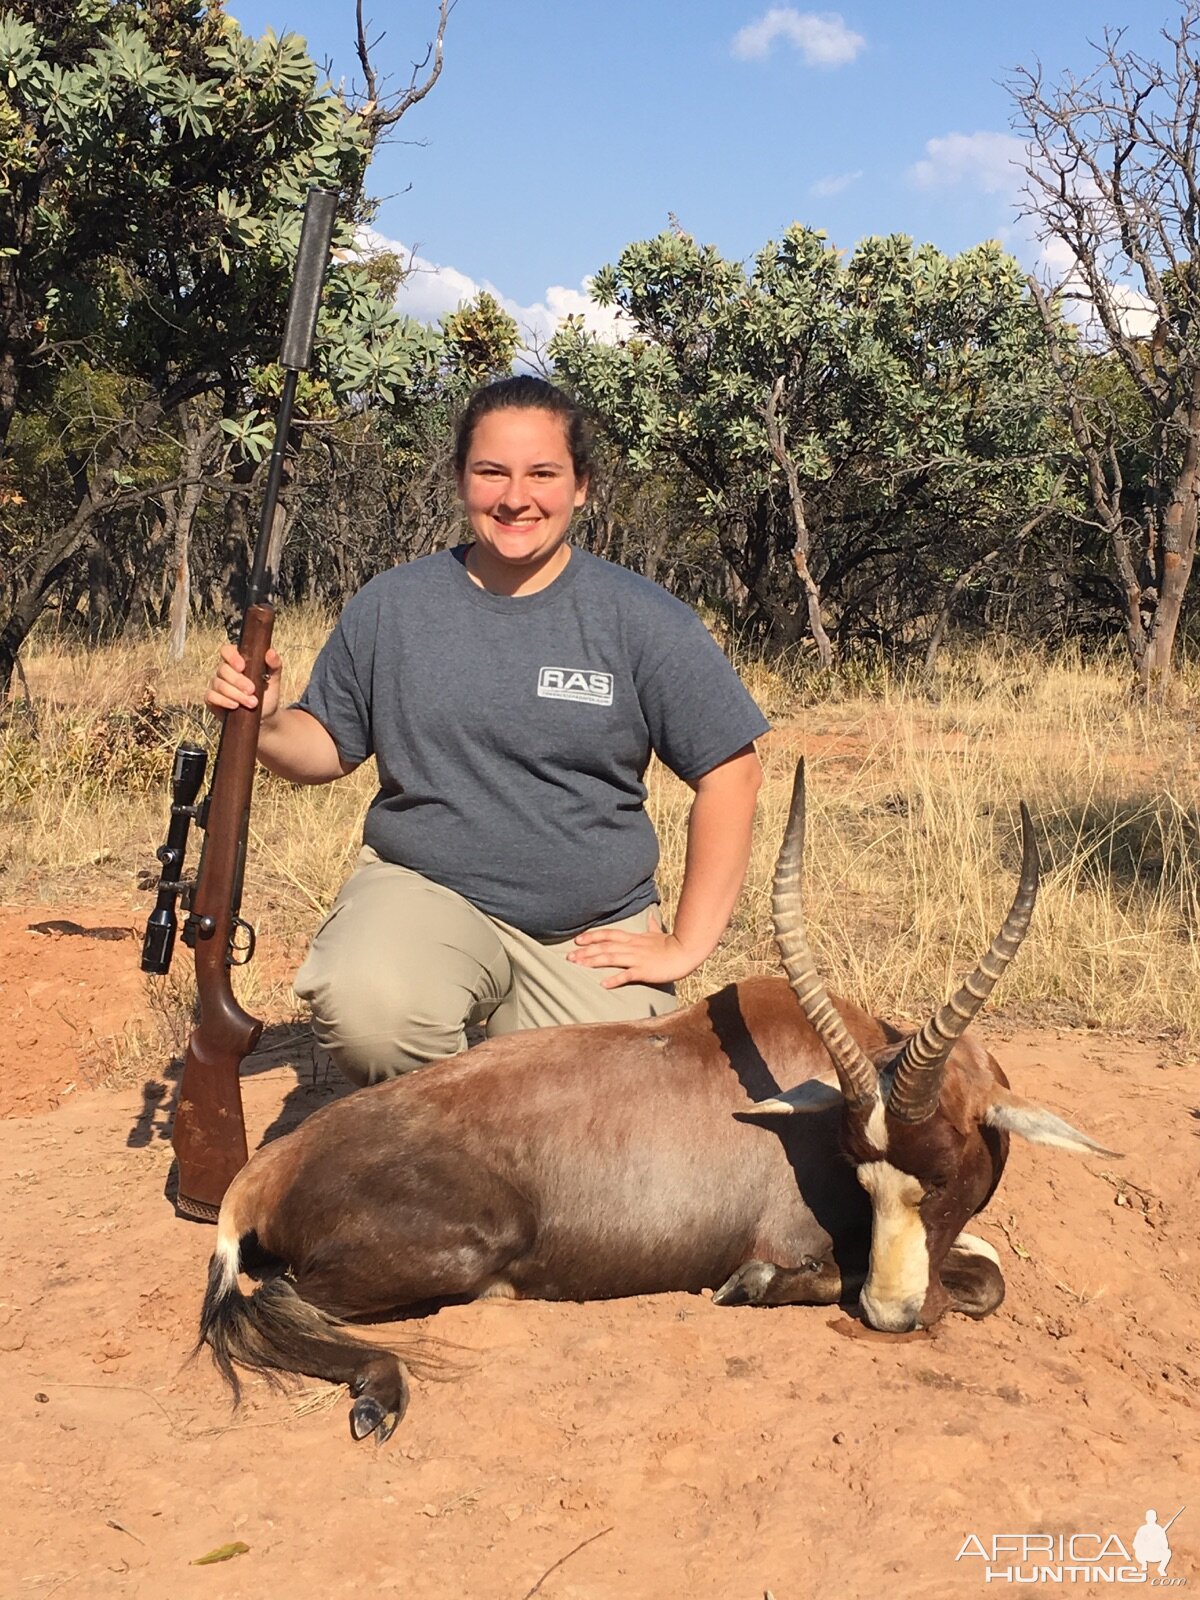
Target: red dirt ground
[{"x": 655, "y": 1447}]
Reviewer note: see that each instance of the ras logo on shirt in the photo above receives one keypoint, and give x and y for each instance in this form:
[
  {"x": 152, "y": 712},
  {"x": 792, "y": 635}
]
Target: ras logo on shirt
[{"x": 575, "y": 683}]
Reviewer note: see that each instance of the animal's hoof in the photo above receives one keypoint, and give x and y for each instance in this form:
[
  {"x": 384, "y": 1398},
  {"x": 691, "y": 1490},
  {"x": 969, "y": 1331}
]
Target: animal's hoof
[
  {"x": 368, "y": 1417},
  {"x": 748, "y": 1286}
]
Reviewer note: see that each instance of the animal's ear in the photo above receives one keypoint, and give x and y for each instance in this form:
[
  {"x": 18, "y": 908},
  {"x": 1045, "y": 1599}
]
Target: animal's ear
[
  {"x": 813, "y": 1095},
  {"x": 1039, "y": 1126}
]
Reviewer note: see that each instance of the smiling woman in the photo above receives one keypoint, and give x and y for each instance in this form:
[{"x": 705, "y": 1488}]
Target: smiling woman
[
  {"x": 523, "y": 465},
  {"x": 511, "y": 692}
]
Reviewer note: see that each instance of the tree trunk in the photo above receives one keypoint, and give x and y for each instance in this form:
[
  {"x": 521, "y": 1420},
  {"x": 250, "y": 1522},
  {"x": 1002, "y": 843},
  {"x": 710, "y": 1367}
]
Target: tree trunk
[
  {"x": 1174, "y": 555},
  {"x": 16, "y": 332},
  {"x": 10, "y": 384},
  {"x": 186, "y": 505},
  {"x": 938, "y": 635},
  {"x": 655, "y": 550},
  {"x": 101, "y": 577},
  {"x": 146, "y": 595},
  {"x": 1104, "y": 490},
  {"x": 227, "y": 585},
  {"x": 61, "y": 547},
  {"x": 801, "y": 542},
  {"x": 751, "y": 572}
]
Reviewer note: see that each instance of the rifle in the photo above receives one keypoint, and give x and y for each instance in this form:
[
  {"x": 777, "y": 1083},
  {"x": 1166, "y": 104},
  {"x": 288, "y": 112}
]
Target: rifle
[{"x": 209, "y": 1135}]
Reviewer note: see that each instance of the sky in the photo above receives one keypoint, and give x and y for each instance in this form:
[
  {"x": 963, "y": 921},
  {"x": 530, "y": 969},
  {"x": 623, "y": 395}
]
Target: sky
[{"x": 562, "y": 130}]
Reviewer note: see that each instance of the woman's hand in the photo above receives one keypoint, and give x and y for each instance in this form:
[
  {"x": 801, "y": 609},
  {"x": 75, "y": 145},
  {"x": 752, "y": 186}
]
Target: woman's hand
[
  {"x": 651, "y": 957},
  {"x": 231, "y": 688},
  {"x": 291, "y": 742},
  {"x": 719, "y": 827}
]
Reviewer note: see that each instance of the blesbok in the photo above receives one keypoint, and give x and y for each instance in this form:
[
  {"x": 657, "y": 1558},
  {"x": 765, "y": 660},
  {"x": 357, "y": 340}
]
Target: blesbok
[{"x": 585, "y": 1162}]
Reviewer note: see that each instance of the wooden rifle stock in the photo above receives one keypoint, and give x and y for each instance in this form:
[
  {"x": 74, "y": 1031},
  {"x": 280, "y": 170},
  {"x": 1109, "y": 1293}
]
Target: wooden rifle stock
[{"x": 209, "y": 1136}]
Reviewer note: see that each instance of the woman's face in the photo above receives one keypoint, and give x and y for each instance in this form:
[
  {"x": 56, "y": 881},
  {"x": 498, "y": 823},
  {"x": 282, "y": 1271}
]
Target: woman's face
[{"x": 520, "y": 491}]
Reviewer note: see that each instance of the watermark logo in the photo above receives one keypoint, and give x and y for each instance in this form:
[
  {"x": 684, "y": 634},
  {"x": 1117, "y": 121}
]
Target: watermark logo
[
  {"x": 1095, "y": 1558},
  {"x": 576, "y": 683}
]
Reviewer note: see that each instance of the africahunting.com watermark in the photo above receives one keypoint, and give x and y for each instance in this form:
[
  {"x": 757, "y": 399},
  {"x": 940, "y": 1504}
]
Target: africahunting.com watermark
[{"x": 1075, "y": 1557}]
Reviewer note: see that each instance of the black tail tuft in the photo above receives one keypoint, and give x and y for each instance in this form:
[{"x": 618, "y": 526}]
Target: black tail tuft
[{"x": 274, "y": 1331}]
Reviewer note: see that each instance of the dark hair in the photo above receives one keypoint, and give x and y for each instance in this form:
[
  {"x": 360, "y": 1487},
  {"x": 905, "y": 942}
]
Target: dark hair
[{"x": 530, "y": 394}]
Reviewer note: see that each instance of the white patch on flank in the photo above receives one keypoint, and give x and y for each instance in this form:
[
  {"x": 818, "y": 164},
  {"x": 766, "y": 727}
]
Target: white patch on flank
[
  {"x": 975, "y": 1246},
  {"x": 898, "y": 1277}
]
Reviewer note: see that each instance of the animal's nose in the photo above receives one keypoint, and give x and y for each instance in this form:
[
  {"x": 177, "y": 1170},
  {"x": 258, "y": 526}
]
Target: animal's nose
[{"x": 890, "y": 1316}]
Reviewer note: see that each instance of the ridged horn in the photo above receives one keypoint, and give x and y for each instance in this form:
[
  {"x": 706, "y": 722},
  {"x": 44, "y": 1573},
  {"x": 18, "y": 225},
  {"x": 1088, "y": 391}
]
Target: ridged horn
[
  {"x": 855, "y": 1070},
  {"x": 917, "y": 1084}
]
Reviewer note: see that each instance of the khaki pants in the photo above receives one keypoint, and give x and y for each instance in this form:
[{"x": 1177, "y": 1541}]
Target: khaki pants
[{"x": 401, "y": 967}]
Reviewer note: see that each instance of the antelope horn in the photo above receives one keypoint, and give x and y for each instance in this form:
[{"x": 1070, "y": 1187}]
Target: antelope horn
[
  {"x": 917, "y": 1084},
  {"x": 855, "y": 1070}
]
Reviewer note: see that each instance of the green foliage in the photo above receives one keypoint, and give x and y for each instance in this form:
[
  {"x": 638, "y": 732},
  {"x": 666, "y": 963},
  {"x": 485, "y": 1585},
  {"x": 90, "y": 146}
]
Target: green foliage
[
  {"x": 157, "y": 160},
  {"x": 480, "y": 340},
  {"x": 908, "y": 389}
]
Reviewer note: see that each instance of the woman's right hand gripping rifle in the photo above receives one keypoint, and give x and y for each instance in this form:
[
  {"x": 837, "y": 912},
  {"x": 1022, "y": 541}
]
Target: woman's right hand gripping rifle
[
  {"x": 230, "y": 687},
  {"x": 291, "y": 742}
]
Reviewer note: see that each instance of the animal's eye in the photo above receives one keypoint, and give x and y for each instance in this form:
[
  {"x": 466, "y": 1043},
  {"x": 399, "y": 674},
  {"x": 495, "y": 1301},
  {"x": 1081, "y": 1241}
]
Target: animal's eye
[{"x": 935, "y": 1187}]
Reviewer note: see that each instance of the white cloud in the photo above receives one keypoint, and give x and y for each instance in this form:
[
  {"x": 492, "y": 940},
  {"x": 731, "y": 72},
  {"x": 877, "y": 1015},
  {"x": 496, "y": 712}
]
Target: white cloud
[
  {"x": 1134, "y": 311},
  {"x": 431, "y": 290},
  {"x": 993, "y": 162},
  {"x": 821, "y": 37},
  {"x": 825, "y": 187}
]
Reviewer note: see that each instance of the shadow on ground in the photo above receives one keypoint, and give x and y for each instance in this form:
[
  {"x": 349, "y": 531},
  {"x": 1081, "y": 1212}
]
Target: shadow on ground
[{"x": 289, "y": 1045}]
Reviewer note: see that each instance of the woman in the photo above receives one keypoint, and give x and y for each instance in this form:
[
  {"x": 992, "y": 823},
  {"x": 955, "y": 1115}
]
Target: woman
[{"x": 511, "y": 692}]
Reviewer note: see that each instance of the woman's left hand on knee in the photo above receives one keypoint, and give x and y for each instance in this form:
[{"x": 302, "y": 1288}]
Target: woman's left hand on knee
[{"x": 653, "y": 957}]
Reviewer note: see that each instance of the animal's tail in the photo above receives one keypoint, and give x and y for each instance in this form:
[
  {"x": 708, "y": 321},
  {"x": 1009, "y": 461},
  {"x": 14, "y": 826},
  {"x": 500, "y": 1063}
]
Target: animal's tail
[{"x": 274, "y": 1331}]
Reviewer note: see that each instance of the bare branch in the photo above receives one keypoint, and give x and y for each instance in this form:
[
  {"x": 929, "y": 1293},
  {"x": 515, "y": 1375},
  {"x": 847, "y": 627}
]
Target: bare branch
[
  {"x": 379, "y": 118},
  {"x": 364, "y": 55}
]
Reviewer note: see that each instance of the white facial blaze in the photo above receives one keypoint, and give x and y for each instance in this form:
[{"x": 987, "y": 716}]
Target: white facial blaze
[
  {"x": 877, "y": 1127},
  {"x": 898, "y": 1277}
]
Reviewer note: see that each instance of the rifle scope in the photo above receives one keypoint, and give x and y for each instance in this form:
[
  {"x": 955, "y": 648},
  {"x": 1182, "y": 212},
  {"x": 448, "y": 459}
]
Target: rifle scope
[{"x": 187, "y": 774}]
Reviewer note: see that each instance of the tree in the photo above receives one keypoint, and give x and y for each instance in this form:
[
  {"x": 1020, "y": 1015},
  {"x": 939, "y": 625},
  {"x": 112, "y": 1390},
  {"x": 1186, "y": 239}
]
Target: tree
[
  {"x": 158, "y": 159},
  {"x": 1113, "y": 183},
  {"x": 857, "y": 432}
]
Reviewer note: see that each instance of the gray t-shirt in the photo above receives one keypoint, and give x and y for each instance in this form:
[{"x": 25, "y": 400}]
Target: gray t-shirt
[{"x": 511, "y": 734}]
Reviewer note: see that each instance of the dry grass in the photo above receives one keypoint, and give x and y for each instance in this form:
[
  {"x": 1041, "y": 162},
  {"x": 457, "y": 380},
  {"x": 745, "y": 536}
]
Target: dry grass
[{"x": 913, "y": 831}]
